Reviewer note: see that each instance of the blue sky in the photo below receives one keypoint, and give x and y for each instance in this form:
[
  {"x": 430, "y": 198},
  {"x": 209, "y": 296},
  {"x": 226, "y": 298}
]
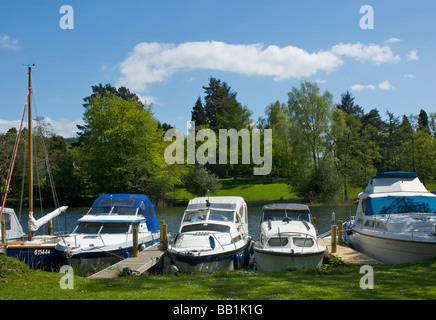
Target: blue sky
[{"x": 165, "y": 51}]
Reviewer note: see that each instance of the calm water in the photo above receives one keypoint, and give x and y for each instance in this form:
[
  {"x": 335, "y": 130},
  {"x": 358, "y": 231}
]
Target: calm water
[{"x": 172, "y": 216}]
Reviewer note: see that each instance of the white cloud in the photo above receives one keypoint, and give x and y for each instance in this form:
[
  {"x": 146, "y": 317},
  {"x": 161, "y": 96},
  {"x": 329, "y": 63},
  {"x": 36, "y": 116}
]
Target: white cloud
[
  {"x": 63, "y": 127},
  {"x": 409, "y": 76},
  {"x": 363, "y": 53},
  {"x": 157, "y": 62},
  {"x": 7, "y": 43},
  {"x": 361, "y": 87},
  {"x": 153, "y": 62},
  {"x": 412, "y": 55},
  {"x": 385, "y": 85},
  {"x": 393, "y": 40}
]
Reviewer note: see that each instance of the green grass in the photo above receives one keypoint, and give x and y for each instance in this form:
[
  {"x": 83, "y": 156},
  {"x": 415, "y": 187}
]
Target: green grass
[
  {"x": 248, "y": 188},
  {"x": 406, "y": 281}
]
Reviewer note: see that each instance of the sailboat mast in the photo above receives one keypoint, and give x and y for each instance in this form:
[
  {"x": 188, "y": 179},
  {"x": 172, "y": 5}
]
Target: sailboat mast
[{"x": 30, "y": 149}]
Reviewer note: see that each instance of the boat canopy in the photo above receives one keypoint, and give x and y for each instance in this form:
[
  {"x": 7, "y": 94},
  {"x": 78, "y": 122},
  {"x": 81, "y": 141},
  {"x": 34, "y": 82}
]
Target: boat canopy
[
  {"x": 279, "y": 211},
  {"x": 229, "y": 203},
  {"x": 395, "y": 181},
  {"x": 13, "y": 226},
  {"x": 123, "y": 200},
  {"x": 400, "y": 204}
]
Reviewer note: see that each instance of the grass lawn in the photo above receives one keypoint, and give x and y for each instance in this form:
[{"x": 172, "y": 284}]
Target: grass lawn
[
  {"x": 248, "y": 188},
  {"x": 405, "y": 281}
]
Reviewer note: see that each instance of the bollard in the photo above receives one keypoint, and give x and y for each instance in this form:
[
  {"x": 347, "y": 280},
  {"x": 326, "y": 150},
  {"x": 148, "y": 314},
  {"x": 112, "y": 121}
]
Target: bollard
[
  {"x": 135, "y": 242},
  {"x": 333, "y": 239},
  {"x": 50, "y": 228},
  {"x": 163, "y": 235},
  {"x": 340, "y": 232},
  {"x": 4, "y": 235}
]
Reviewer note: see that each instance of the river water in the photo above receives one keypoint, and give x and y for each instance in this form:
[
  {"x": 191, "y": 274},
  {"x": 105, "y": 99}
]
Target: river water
[{"x": 67, "y": 221}]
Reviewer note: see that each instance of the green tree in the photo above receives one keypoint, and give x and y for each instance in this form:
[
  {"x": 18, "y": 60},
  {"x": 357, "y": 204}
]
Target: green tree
[
  {"x": 120, "y": 141},
  {"x": 200, "y": 181}
]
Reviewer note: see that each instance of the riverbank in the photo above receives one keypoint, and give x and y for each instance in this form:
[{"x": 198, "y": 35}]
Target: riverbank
[{"x": 391, "y": 282}]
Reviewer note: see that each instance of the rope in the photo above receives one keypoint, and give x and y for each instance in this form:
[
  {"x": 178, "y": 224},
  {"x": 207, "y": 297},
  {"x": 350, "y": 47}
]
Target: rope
[{"x": 11, "y": 168}]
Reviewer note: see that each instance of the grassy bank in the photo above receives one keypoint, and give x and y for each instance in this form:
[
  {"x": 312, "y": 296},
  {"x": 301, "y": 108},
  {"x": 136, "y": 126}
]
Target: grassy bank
[{"x": 406, "y": 281}]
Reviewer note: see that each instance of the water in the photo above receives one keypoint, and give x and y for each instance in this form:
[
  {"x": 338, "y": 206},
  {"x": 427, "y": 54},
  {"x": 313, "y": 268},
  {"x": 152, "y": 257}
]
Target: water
[{"x": 67, "y": 221}]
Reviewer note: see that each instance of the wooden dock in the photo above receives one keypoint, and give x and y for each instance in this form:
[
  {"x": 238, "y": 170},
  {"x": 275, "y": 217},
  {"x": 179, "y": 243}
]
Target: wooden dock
[
  {"x": 347, "y": 254},
  {"x": 138, "y": 265}
]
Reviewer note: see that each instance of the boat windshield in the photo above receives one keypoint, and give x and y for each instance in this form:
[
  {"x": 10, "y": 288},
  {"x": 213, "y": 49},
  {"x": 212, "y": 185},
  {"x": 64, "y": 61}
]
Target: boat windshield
[
  {"x": 281, "y": 214},
  {"x": 125, "y": 211},
  {"x": 102, "y": 227},
  {"x": 212, "y": 214},
  {"x": 398, "y": 204}
]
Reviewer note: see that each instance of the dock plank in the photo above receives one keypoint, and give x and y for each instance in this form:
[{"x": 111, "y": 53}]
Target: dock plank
[
  {"x": 145, "y": 260},
  {"x": 348, "y": 255}
]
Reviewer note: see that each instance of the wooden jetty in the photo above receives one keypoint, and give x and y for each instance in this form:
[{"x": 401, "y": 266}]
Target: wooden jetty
[
  {"x": 138, "y": 265},
  {"x": 349, "y": 255}
]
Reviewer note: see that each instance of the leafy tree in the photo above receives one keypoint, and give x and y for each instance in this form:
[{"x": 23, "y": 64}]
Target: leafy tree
[{"x": 200, "y": 181}]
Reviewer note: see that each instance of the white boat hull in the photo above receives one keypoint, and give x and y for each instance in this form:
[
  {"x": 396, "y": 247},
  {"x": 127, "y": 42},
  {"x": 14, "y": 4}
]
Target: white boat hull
[
  {"x": 389, "y": 250},
  {"x": 208, "y": 261},
  {"x": 275, "y": 261}
]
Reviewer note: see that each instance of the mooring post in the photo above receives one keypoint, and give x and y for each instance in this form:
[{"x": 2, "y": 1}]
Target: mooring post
[
  {"x": 135, "y": 242},
  {"x": 313, "y": 221},
  {"x": 50, "y": 227},
  {"x": 4, "y": 235},
  {"x": 163, "y": 235},
  {"x": 340, "y": 232},
  {"x": 333, "y": 238}
]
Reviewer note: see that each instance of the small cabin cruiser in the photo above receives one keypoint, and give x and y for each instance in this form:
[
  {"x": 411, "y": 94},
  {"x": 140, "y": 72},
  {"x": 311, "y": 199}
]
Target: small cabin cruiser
[
  {"x": 213, "y": 235},
  {"x": 104, "y": 235},
  {"x": 287, "y": 239},
  {"x": 395, "y": 220}
]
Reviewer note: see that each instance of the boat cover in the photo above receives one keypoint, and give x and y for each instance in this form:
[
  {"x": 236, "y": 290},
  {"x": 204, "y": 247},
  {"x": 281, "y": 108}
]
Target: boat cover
[
  {"x": 229, "y": 203},
  {"x": 140, "y": 201},
  {"x": 400, "y": 204},
  {"x": 286, "y": 206},
  {"x": 13, "y": 226}
]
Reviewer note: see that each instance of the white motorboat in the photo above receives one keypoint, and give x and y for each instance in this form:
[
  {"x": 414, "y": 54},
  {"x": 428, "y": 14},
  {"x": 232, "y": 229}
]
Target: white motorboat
[
  {"x": 395, "y": 220},
  {"x": 287, "y": 239},
  {"x": 104, "y": 235},
  {"x": 213, "y": 235}
]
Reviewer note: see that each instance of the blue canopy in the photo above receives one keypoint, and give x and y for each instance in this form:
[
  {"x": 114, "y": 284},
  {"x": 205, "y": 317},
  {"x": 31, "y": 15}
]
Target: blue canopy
[
  {"x": 400, "y": 204},
  {"x": 140, "y": 201},
  {"x": 396, "y": 174}
]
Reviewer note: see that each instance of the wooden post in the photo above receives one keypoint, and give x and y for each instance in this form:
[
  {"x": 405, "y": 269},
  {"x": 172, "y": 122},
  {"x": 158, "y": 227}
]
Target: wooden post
[
  {"x": 340, "y": 231},
  {"x": 313, "y": 221},
  {"x": 4, "y": 235},
  {"x": 135, "y": 242},
  {"x": 50, "y": 228},
  {"x": 333, "y": 239},
  {"x": 163, "y": 235}
]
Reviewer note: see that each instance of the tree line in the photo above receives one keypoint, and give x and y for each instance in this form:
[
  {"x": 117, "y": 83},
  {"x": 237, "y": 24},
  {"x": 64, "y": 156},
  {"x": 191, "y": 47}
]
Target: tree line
[{"x": 322, "y": 148}]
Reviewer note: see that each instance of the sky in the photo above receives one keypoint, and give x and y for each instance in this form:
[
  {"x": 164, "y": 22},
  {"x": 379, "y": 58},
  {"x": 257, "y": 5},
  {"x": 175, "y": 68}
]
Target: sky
[{"x": 383, "y": 52}]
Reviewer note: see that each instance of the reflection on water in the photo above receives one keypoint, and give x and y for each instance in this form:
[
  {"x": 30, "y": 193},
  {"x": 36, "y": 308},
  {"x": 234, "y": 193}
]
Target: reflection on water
[{"x": 172, "y": 216}]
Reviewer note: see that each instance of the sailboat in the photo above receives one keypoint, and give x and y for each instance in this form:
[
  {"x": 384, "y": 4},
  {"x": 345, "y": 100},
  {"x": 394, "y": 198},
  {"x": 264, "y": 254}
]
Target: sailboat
[{"x": 37, "y": 251}]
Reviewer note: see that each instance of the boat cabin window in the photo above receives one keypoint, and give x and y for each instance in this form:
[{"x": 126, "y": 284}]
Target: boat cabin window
[
  {"x": 129, "y": 211},
  {"x": 194, "y": 216},
  {"x": 221, "y": 215},
  {"x": 205, "y": 227},
  {"x": 88, "y": 227},
  {"x": 281, "y": 214},
  {"x": 102, "y": 227},
  {"x": 278, "y": 242},
  {"x": 7, "y": 219},
  {"x": 302, "y": 242}
]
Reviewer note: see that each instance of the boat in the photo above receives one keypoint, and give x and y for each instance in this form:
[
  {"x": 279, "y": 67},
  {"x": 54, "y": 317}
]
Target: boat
[
  {"x": 287, "y": 239},
  {"x": 395, "y": 220},
  {"x": 104, "y": 235},
  {"x": 37, "y": 251},
  {"x": 213, "y": 236}
]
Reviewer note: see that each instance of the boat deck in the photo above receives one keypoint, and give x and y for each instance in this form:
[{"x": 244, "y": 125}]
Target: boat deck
[
  {"x": 145, "y": 260},
  {"x": 347, "y": 254}
]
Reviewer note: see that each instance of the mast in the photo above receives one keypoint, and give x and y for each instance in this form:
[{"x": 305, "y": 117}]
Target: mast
[{"x": 30, "y": 149}]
